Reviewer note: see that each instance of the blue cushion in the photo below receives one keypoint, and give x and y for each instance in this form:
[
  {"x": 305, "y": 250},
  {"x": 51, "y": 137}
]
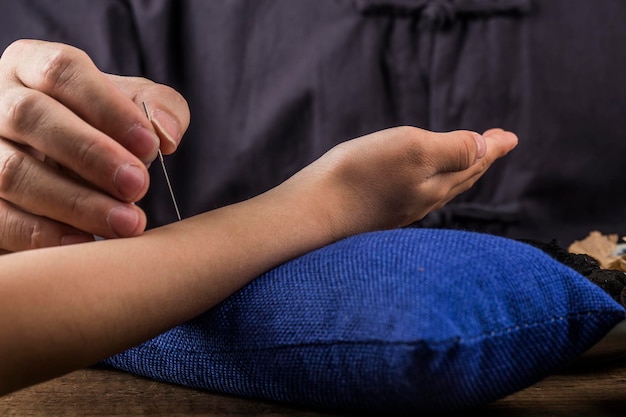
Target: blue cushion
[{"x": 401, "y": 320}]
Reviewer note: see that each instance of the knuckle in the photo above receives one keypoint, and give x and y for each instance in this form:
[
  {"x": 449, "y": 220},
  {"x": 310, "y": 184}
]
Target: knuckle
[
  {"x": 408, "y": 135},
  {"x": 86, "y": 153},
  {"x": 412, "y": 144},
  {"x": 19, "y": 232},
  {"x": 76, "y": 203},
  {"x": 409, "y": 131},
  {"x": 16, "y": 48},
  {"x": 13, "y": 49},
  {"x": 61, "y": 68},
  {"x": 466, "y": 153},
  {"x": 20, "y": 114},
  {"x": 471, "y": 147},
  {"x": 11, "y": 167}
]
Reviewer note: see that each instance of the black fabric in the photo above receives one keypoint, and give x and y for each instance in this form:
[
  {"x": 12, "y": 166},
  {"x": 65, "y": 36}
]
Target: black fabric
[
  {"x": 274, "y": 84},
  {"x": 610, "y": 280}
]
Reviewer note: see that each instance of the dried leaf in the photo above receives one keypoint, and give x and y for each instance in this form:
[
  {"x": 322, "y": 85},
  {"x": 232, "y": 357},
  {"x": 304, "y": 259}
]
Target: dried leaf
[{"x": 601, "y": 248}]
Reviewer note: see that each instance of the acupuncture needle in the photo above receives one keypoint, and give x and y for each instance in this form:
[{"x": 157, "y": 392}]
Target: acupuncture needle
[{"x": 160, "y": 154}]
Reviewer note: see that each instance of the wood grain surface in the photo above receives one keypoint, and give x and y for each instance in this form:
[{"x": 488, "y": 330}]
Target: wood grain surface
[{"x": 593, "y": 390}]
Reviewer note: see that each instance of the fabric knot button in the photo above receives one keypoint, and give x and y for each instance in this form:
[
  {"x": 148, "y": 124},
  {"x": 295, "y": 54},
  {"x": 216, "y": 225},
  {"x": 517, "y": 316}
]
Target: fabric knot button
[{"x": 439, "y": 12}]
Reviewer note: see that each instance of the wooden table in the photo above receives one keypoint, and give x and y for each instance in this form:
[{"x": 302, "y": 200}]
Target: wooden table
[{"x": 595, "y": 391}]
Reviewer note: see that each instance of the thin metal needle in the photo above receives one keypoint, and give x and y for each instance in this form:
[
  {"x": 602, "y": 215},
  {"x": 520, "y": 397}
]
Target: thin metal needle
[{"x": 167, "y": 178}]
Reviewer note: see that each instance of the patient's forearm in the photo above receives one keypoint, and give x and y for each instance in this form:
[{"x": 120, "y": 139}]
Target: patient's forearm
[{"x": 66, "y": 308}]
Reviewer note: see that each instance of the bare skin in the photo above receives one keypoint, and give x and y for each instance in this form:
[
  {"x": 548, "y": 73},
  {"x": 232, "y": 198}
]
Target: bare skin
[
  {"x": 74, "y": 144},
  {"x": 65, "y": 308}
]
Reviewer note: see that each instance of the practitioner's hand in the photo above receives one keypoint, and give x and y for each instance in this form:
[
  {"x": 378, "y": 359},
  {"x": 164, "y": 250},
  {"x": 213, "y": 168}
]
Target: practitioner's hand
[
  {"x": 395, "y": 177},
  {"x": 74, "y": 144}
]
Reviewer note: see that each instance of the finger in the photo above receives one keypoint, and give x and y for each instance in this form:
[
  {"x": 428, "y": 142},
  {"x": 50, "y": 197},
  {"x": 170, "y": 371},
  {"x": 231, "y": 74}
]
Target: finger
[
  {"x": 40, "y": 189},
  {"x": 455, "y": 151},
  {"x": 37, "y": 120},
  {"x": 460, "y": 150},
  {"x": 22, "y": 231},
  {"x": 498, "y": 143},
  {"x": 169, "y": 111},
  {"x": 68, "y": 75}
]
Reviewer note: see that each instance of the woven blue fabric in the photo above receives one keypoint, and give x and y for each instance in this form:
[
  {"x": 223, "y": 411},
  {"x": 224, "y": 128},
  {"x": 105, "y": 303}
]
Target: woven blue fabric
[{"x": 402, "y": 320}]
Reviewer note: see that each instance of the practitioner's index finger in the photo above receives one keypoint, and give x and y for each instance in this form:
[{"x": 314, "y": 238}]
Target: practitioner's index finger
[
  {"x": 169, "y": 111},
  {"x": 69, "y": 76},
  {"x": 54, "y": 131}
]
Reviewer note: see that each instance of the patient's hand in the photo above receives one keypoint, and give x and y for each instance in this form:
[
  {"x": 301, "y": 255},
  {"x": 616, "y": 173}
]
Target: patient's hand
[{"x": 395, "y": 177}]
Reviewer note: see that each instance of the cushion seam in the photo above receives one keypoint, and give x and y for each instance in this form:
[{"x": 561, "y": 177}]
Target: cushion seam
[{"x": 451, "y": 340}]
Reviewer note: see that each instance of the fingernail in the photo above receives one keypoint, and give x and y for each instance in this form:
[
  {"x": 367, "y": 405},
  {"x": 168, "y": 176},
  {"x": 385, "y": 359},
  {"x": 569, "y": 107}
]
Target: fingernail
[
  {"x": 122, "y": 221},
  {"x": 481, "y": 146},
  {"x": 129, "y": 180},
  {"x": 167, "y": 126},
  {"x": 143, "y": 143},
  {"x": 76, "y": 238}
]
